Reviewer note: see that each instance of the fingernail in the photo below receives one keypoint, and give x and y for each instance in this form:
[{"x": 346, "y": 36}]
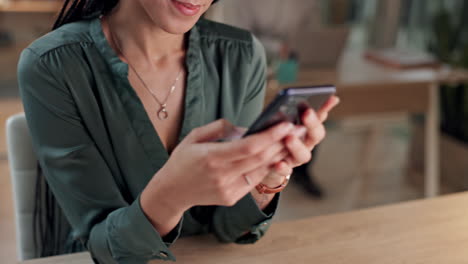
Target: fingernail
[
  {"x": 282, "y": 129},
  {"x": 312, "y": 116},
  {"x": 302, "y": 131},
  {"x": 287, "y": 127}
]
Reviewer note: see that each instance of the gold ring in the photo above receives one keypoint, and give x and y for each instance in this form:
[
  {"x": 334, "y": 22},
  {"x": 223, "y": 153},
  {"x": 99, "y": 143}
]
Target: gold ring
[{"x": 247, "y": 179}]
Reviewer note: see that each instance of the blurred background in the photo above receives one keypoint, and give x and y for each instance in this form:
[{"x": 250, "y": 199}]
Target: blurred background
[{"x": 401, "y": 132}]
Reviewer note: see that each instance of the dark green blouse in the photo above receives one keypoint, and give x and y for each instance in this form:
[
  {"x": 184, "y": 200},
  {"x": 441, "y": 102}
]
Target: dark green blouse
[{"x": 99, "y": 149}]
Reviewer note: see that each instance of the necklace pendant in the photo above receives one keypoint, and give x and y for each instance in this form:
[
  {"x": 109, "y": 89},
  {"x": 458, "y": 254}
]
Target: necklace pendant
[{"x": 162, "y": 113}]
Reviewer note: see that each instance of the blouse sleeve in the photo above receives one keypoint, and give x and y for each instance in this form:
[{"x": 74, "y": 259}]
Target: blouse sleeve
[
  {"x": 112, "y": 229},
  {"x": 245, "y": 222}
]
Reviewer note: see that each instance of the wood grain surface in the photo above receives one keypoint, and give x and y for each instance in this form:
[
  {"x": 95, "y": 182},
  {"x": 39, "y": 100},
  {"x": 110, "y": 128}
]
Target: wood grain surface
[{"x": 432, "y": 231}]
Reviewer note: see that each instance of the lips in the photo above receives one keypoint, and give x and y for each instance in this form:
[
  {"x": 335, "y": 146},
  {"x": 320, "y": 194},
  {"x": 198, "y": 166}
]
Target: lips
[{"x": 186, "y": 9}]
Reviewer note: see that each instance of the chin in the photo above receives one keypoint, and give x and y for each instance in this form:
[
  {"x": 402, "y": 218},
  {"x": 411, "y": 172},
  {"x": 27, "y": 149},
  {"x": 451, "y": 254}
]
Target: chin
[
  {"x": 178, "y": 27},
  {"x": 176, "y": 16}
]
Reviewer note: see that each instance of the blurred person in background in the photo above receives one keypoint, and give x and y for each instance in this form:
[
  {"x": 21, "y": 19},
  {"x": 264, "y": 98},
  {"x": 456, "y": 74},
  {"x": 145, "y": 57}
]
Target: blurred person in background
[{"x": 275, "y": 22}]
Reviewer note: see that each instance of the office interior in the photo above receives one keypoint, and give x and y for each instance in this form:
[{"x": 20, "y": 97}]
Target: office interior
[{"x": 399, "y": 135}]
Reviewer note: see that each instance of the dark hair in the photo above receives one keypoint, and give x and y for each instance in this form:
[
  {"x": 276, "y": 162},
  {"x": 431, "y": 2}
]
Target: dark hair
[
  {"x": 52, "y": 233},
  {"x": 75, "y": 10}
]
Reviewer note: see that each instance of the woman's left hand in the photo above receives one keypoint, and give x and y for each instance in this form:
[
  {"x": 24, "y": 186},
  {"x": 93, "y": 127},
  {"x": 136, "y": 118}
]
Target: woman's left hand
[{"x": 301, "y": 143}]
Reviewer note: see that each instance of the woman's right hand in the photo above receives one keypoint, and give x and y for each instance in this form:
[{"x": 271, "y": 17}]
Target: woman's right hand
[{"x": 201, "y": 171}]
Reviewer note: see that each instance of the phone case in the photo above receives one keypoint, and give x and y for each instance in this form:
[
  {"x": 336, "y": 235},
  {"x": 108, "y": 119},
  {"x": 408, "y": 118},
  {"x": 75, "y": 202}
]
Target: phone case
[{"x": 289, "y": 105}]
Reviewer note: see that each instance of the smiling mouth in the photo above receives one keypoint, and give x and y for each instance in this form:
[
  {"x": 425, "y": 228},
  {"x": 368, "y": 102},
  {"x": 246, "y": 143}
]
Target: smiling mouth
[{"x": 186, "y": 9}]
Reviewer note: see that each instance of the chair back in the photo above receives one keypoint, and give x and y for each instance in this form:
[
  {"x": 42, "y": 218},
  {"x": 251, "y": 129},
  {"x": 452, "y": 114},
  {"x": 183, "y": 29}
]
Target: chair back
[
  {"x": 41, "y": 228},
  {"x": 23, "y": 171}
]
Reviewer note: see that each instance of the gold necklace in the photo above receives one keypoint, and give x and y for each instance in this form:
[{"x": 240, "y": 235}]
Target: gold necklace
[{"x": 162, "y": 112}]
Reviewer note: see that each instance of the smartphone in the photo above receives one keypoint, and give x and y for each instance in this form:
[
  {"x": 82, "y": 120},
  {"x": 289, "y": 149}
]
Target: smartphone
[{"x": 290, "y": 104}]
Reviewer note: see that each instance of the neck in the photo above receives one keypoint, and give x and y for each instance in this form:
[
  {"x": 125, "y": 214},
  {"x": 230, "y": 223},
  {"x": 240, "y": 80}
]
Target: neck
[{"x": 137, "y": 37}]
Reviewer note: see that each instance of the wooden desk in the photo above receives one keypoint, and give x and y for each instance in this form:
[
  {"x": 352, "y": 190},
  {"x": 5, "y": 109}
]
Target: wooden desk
[
  {"x": 426, "y": 231},
  {"x": 368, "y": 88}
]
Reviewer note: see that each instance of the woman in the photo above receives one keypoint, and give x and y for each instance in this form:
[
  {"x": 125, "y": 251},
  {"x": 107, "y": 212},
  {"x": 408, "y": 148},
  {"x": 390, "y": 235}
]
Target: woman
[{"x": 126, "y": 101}]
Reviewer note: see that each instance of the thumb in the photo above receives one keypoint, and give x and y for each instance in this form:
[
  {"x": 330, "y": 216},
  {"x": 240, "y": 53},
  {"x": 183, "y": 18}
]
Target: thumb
[{"x": 211, "y": 132}]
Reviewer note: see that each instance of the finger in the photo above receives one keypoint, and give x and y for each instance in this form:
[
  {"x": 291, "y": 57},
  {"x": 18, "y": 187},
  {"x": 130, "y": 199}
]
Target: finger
[
  {"x": 242, "y": 187},
  {"x": 283, "y": 168},
  {"x": 265, "y": 158},
  {"x": 323, "y": 112},
  {"x": 278, "y": 173},
  {"x": 281, "y": 156},
  {"x": 242, "y": 130},
  {"x": 330, "y": 104},
  {"x": 235, "y": 134},
  {"x": 258, "y": 174},
  {"x": 211, "y": 132},
  {"x": 314, "y": 136},
  {"x": 315, "y": 128},
  {"x": 310, "y": 119},
  {"x": 299, "y": 131},
  {"x": 252, "y": 145},
  {"x": 323, "y": 116},
  {"x": 299, "y": 152}
]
